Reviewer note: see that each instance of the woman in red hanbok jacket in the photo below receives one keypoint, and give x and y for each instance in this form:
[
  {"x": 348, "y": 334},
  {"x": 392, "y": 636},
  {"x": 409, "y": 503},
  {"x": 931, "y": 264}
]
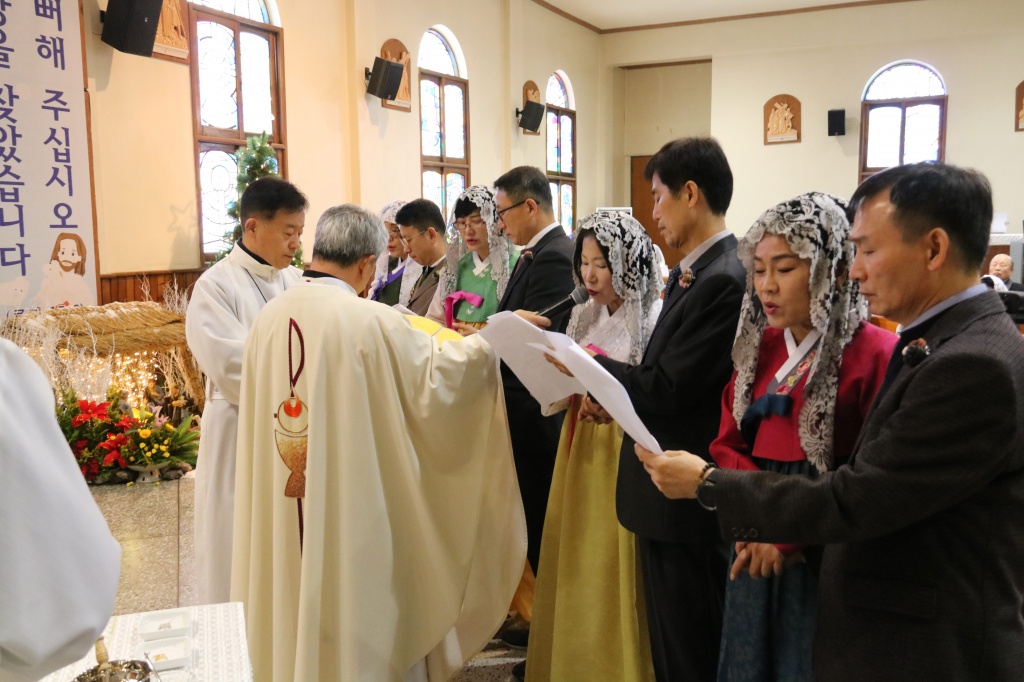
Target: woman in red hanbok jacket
[{"x": 808, "y": 365}]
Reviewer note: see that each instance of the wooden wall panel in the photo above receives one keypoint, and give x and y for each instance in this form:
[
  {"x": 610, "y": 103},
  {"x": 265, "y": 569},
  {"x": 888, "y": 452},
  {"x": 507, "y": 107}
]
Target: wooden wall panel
[{"x": 129, "y": 286}]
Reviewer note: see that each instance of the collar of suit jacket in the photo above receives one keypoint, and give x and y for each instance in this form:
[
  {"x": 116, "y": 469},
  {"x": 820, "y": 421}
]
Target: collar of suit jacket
[{"x": 952, "y": 321}]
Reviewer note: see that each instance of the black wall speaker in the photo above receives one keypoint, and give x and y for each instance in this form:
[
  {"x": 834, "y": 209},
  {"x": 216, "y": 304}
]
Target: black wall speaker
[
  {"x": 531, "y": 115},
  {"x": 385, "y": 78},
  {"x": 836, "y": 122},
  {"x": 130, "y": 25}
]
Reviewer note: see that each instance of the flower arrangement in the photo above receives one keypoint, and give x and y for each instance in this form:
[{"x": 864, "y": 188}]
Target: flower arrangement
[{"x": 109, "y": 438}]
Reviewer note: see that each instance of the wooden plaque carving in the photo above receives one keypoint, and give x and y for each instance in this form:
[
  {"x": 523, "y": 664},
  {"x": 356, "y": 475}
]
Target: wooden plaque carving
[
  {"x": 395, "y": 50},
  {"x": 531, "y": 93},
  {"x": 782, "y": 120}
]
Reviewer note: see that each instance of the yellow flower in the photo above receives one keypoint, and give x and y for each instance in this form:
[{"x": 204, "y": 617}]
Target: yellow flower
[
  {"x": 164, "y": 448},
  {"x": 145, "y": 433},
  {"x": 169, "y": 426},
  {"x": 167, "y": 454},
  {"x": 131, "y": 459},
  {"x": 139, "y": 414}
]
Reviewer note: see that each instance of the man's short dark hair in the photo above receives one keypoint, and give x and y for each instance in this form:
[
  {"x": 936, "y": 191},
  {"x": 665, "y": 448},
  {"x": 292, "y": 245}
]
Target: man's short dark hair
[
  {"x": 263, "y": 198},
  {"x": 421, "y": 214},
  {"x": 699, "y": 159},
  {"x": 929, "y": 195},
  {"x": 526, "y": 182}
]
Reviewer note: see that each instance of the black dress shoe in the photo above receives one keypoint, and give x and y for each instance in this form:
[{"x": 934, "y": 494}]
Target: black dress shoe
[
  {"x": 519, "y": 671},
  {"x": 516, "y": 637}
]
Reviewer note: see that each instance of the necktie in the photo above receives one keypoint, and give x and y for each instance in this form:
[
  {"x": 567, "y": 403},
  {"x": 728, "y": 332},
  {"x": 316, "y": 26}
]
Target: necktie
[
  {"x": 424, "y": 275},
  {"x": 673, "y": 281}
]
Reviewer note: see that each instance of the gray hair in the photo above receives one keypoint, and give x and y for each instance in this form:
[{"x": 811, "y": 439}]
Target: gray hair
[{"x": 346, "y": 233}]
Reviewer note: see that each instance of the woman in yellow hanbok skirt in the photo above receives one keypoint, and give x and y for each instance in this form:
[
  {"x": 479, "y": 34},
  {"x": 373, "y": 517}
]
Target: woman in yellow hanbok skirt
[{"x": 588, "y": 617}]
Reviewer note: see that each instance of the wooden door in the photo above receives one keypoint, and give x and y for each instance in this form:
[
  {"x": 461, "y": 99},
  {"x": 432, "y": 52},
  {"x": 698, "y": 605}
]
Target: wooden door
[{"x": 643, "y": 206}]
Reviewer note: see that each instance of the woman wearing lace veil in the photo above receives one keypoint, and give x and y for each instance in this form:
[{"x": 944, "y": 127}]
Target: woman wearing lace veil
[
  {"x": 396, "y": 272},
  {"x": 586, "y": 622},
  {"x": 480, "y": 260},
  {"x": 808, "y": 365}
]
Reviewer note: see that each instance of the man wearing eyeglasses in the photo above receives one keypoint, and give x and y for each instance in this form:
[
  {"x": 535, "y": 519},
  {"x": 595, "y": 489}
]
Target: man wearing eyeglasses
[
  {"x": 542, "y": 277},
  {"x": 422, "y": 229}
]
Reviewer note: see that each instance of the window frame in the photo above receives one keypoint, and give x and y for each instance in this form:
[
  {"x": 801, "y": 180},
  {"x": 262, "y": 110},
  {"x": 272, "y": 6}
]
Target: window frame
[
  {"x": 558, "y": 177},
  {"x": 904, "y": 103},
  {"x": 211, "y": 137},
  {"x": 443, "y": 164}
]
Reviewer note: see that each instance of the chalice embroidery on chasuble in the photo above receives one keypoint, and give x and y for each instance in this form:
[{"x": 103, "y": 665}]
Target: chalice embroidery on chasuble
[{"x": 291, "y": 427}]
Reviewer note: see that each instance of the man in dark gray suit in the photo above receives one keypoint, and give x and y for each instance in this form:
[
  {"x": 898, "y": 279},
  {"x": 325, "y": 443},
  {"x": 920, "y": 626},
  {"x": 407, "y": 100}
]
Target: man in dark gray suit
[
  {"x": 677, "y": 390},
  {"x": 924, "y": 559}
]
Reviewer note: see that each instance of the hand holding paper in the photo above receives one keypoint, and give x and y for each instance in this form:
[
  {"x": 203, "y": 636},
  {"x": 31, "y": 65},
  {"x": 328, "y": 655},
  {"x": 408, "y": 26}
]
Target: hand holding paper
[
  {"x": 603, "y": 387},
  {"x": 513, "y": 339}
]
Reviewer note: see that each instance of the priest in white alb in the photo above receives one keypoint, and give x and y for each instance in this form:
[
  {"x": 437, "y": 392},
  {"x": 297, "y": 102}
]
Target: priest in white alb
[
  {"x": 379, "y": 533},
  {"x": 224, "y": 304},
  {"x": 59, "y": 564}
]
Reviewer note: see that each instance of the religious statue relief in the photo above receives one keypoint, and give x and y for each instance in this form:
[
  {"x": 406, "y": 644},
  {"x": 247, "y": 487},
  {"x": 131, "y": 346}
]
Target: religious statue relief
[
  {"x": 395, "y": 51},
  {"x": 782, "y": 120},
  {"x": 171, "y": 36},
  {"x": 531, "y": 93},
  {"x": 1019, "y": 109}
]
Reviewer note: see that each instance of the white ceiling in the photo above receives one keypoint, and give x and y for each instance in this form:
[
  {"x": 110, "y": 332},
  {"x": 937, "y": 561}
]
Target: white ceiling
[{"x": 612, "y": 14}]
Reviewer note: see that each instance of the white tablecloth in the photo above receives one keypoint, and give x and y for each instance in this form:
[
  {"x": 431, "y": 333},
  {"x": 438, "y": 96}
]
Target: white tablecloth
[{"x": 219, "y": 649}]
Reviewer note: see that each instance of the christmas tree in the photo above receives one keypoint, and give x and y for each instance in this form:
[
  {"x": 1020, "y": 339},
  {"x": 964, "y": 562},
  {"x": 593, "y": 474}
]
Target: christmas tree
[{"x": 257, "y": 159}]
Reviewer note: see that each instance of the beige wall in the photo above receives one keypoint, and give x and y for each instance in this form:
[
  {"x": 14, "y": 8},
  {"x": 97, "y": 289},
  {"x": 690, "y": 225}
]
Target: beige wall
[
  {"x": 342, "y": 145},
  {"x": 825, "y": 59},
  {"x": 663, "y": 103},
  {"x": 143, "y": 159}
]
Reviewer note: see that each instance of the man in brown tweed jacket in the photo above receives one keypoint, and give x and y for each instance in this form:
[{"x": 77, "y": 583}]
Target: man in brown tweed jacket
[{"x": 924, "y": 560}]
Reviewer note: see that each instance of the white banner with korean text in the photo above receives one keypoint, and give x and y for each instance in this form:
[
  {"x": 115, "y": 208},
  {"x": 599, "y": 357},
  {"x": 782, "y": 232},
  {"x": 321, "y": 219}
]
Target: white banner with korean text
[{"x": 47, "y": 254}]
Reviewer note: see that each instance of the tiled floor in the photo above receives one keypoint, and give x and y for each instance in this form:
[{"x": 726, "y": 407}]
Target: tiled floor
[{"x": 153, "y": 523}]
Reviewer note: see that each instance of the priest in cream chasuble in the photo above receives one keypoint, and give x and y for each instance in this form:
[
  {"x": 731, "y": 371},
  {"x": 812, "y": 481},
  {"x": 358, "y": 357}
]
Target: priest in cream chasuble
[{"x": 379, "y": 532}]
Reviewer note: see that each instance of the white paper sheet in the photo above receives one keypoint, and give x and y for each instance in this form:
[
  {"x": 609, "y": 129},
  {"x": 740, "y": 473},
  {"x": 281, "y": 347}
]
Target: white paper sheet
[
  {"x": 608, "y": 391},
  {"x": 511, "y": 337}
]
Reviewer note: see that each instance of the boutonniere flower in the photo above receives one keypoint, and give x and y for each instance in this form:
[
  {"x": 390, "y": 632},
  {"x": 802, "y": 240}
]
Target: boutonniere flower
[
  {"x": 915, "y": 352},
  {"x": 686, "y": 278}
]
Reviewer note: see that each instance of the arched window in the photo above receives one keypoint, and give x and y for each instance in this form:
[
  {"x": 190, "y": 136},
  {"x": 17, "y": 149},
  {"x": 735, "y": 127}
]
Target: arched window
[
  {"x": 236, "y": 93},
  {"x": 903, "y": 117},
  {"x": 444, "y": 119},
  {"x": 561, "y": 165}
]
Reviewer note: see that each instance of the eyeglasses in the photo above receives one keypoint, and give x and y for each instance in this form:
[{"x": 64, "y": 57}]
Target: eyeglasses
[
  {"x": 406, "y": 241},
  {"x": 476, "y": 222},
  {"x": 501, "y": 214}
]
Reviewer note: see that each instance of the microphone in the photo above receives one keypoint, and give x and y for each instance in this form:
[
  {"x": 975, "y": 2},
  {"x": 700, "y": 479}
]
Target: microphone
[{"x": 579, "y": 295}]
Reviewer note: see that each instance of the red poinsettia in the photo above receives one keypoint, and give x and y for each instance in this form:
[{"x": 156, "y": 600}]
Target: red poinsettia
[
  {"x": 127, "y": 423},
  {"x": 113, "y": 445},
  {"x": 90, "y": 410}
]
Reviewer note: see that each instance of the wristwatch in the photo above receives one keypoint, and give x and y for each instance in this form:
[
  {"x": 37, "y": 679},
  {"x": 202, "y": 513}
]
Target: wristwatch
[{"x": 706, "y": 495}]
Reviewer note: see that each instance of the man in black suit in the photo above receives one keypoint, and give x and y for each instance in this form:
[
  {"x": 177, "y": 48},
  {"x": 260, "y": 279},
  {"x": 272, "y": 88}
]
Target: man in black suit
[
  {"x": 422, "y": 228},
  {"x": 542, "y": 277},
  {"x": 921, "y": 574},
  {"x": 677, "y": 391},
  {"x": 1001, "y": 266}
]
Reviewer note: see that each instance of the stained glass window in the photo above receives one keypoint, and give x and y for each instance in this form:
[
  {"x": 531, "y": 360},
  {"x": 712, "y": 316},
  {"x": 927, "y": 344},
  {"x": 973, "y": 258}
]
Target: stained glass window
[
  {"x": 444, "y": 113},
  {"x": 556, "y": 93},
  {"x": 561, "y": 150},
  {"x": 236, "y": 94},
  {"x": 218, "y": 98},
  {"x": 436, "y": 55},
  {"x": 217, "y": 171},
  {"x": 430, "y": 118},
  {"x": 904, "y": 117}
]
